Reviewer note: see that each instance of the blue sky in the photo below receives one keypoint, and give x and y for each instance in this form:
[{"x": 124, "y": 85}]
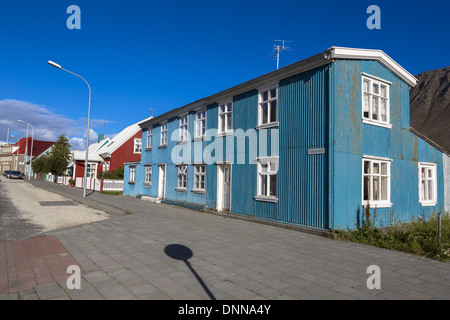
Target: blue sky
[{"x": 139, "y": 54}]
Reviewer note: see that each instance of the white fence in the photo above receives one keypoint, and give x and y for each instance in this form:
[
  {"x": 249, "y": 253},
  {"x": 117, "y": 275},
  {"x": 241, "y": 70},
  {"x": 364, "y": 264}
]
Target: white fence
[
  {"x": 91, "y": 183},
  {"x": 112, "y": 185},
  {"x": 50, "y": 178},
  {"x": 64, "y": 180}
]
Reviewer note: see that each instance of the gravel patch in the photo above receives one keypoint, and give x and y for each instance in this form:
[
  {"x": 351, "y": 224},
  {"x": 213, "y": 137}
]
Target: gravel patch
[{"x": 48, "y": 210}]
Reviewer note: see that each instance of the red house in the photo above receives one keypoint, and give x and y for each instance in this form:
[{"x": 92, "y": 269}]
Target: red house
[
  {"x": 18, "y": 156},
  {"x": 109, "y": 154}
]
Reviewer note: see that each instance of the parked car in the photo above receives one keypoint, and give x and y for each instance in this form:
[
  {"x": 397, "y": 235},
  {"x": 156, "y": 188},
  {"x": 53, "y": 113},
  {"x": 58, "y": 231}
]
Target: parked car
[
  {"x": 6, "y": 172},
  {"x": 15, "y": 175}
]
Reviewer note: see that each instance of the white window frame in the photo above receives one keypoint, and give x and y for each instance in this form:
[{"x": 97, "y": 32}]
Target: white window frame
[
  {"x": 137, "y": 146},
  {"x": 164, "y": 134},
  {"x": 272, "y": 164},
  {"x": 379, "y": 175},
  {"x": 149, "y": 138},
  {"x": 198, "y": 174},
  {"x": 132, "y": 178},
  {"x": 148, "y": 174},
  {"x": 373, "y": 96},
  {"x": 269, "y": 101},
  {"x": 225, "y": 111},
  {"x": 424, "y": 189},
  {"x": 184, "y": 128},
  {"x": 200, "y": 123},
  {"x": 91, "y": 168},
  {"x": 182, "y": 177}
]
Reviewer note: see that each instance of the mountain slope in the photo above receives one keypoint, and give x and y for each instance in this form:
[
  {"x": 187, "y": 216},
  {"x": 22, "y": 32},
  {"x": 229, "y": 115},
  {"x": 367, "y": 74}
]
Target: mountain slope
[{"x": 430, "y": 106}]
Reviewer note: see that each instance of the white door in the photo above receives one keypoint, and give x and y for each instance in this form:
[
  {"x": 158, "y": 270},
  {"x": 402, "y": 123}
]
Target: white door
[
  {"x": 162, "y": 181},
  {"x": 226, "y": 187}
]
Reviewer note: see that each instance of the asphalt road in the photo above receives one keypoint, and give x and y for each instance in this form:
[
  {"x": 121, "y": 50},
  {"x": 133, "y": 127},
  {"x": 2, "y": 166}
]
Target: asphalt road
[{"x": 12, "y": 225}]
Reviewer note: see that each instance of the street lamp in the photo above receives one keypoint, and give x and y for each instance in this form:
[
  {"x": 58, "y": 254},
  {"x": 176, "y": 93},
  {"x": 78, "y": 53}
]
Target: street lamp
[
  {"x": 53, "y": 64},
  {"x": 32, "y": 141}
]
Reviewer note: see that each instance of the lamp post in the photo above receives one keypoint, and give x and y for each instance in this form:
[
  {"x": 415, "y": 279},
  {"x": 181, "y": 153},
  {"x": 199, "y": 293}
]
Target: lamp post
[
  {"x": 32, "y": 141},
  {"x": 53, "y": 64}
]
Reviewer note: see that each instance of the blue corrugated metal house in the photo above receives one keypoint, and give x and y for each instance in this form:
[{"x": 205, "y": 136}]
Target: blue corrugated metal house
[{"x": 310, "y": 144}]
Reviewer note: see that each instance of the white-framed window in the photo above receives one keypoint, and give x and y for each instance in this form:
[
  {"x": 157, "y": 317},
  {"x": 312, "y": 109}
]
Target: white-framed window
[
  {"x": 132, "y": 178},
  {"x": 148, "y": 174},
  {"x": 268, "y": 107},
  {"x": 137, "y": 145},
  {"x": 164, "y": 127},
  {"x": 267, "y": 178},
  {"x": 149, "y": 138},
  {"x": 375, "y": 100},
  {"x": 200, "y": 177},
  {"x": 92, "y": 170},
  {"x": 427, "y": 184},
  {"x": 200, "y": 123},
  {"x": 184, "y": 129},
  {"x": 225, "y": 117},
  {"x": 376, "y": 182},
  {"x": 182, "y": 177},
  {"x": 106, "y": 166}
]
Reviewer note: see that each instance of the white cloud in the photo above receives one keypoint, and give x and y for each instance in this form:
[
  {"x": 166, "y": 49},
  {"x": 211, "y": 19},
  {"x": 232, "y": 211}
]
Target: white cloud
[{"x": 48, "y": 125}]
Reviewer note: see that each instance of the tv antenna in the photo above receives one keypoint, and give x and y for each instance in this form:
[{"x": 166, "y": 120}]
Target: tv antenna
[
  {"x": 152, "y": 110},
  {"x": 277, "y": 49}
]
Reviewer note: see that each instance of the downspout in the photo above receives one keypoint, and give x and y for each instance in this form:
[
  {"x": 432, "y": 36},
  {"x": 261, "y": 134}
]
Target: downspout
[{"x": 328, "y": 55}]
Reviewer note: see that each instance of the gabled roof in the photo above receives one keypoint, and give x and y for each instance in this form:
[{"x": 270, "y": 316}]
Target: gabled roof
[
  {"x": 318, "y": 60},
  {"x": 81, "y": 156},
  {"x": 113, "y": 144},
  {"x": 378, "y": 55},
  {"x": 38, "y": 146}
]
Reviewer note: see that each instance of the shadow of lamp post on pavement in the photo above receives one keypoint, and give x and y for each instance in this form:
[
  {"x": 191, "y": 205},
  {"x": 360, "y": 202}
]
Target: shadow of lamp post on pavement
[{"x": 183, "y": 253}]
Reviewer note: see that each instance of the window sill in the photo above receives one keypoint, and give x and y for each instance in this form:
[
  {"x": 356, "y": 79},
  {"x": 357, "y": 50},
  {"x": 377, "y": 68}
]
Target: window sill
[
  {"x": 377, "y": 123},
  {"x": 378, "y": 204},
  {"x": 148, "y": 149},
  {"x": 181, "y": 189},
  {"x": 131, "y": 182},
  {"x": 183, "y": 141},
  {"x": 200, "y": 138},
  {"x": 225, "y": 133},
  {"x": 201, "y": 191},
  {"x": 268, "y": 125},
  {"x": 147, "y": 184},
  {"x": 163, "y": 146},
  {"x": 428, "y": 203},
  {"x": 266, "y": 199}
]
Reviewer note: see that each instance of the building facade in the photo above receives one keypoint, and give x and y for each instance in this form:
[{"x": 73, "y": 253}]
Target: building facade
[
  {"x": 18, "y": 157},
  {"x": 311, "y": 144}
]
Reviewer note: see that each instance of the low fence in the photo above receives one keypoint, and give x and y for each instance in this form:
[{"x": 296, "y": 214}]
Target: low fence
[
  {"x": 63, "y": 180},
  {"x": 112, "y": 185},
  {"x": 50, "y": 178},
  {"x": 91, "y": 183}
]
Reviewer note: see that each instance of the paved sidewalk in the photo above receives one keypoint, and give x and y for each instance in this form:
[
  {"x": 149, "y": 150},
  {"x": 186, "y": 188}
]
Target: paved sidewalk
[
  {"x": 29, "y": 263},
  {"x": 158, "y": 251}
]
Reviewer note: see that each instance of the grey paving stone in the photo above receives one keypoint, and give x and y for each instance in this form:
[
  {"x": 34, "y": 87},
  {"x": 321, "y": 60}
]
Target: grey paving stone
[
  {"x": 89, "y": 293},
  {"x": 124, "y": 257},
  {"x": 97, "y": 276},
  {"x": 111, "y": 290},
  {"x": 48, "y": 291}
]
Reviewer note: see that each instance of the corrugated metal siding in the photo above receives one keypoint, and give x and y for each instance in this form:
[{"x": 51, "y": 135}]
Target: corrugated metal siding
[
  {"x": 244, "y": 176},
  {"x": 353, "y": 139},
  {"x": 303, "y": 178}
]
